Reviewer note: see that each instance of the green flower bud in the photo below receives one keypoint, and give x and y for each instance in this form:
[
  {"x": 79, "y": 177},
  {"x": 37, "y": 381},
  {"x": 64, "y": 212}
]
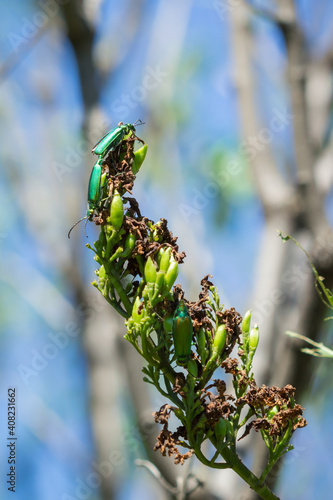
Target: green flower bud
[
  {"x": 116, "y": 254},
  {"x": 156, "y": 234},
  {"x": 98, "y": 259},
  {"x": 219, "y": 339},
  {"x": 139, "y": 157},
  {"x": 163, "y": 258},
  {"x": 116, "y": 211},
  {"x": 101, "y": 272},
  {"x": 150, "y": 271},
  {"x": 149, "y": 291},
  {"x": 171, "y": 274},
  {"x": 253, "y": 344}
]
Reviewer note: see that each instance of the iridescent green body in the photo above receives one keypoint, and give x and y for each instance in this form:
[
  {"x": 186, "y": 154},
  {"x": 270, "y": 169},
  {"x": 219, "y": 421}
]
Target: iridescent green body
[
  {"x": 94, "y": 188},
  {"x": 95, "y": 191},
  {"x": 112, "y": 139},
  {"x": 182, "y": 332}
]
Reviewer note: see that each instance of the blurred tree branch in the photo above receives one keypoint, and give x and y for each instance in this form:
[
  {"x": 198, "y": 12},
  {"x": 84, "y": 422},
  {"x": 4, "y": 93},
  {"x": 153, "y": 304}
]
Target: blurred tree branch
[
  {"x": 16, "y": 57},
  {"x": 105, "y": 367},
  {"x": 102, "y": 392},
  {"x": 296, "y": 207}
]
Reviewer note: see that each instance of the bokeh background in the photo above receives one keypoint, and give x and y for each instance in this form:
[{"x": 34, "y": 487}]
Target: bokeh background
[{"x": 236, "y": 98}]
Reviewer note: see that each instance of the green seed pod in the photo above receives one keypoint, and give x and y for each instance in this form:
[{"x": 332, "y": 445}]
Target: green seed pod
[
  {"x": 129, "y": 245},
  {"x": 167, "y": 323},
  {"x": 163, "y": 258},
  {"x": 182, "y": 331},
  {"x": 273, "y": 411},
  {"x": 245, "y": 330},
  {"x": 160, "y": 281},
  {"x": 201, "y": 339},
  {"x": 253, "y": 344},
  {"x": 103, "y": 180},
  {"x": 219, "y": 339},
  {"x": 130, "y": 242},
  {"x": 139, "y": 157},
  {"x": 192, "y": 368},
  {"x": 253, "y": 340},
  {"x": 150, "y": 271},
  {"x": 135, "y": 315},
  {"x": 220, "y": 429},
  {"x": 116, "y": 211},
  {"x": 171, "y": 274}
]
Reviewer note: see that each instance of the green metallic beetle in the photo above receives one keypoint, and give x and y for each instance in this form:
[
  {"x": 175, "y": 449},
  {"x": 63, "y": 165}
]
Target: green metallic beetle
[
  {"x": 106, "y": 145},
  {"x": 95, "y": 190},
  {"x": 113, "y": 138},
  {"x": 182, "y": 332}
]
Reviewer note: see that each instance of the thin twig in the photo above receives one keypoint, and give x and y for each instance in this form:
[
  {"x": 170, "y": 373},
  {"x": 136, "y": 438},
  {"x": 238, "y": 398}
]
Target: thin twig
[
  {"x": 157, "y": 475},
  {"x": 180, "y": 492}
]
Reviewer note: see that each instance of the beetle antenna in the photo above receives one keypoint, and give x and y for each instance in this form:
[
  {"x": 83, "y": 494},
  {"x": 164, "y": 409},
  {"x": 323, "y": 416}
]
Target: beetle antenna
[
  {"x": 85, "y": 225},
  {"x": 76, "y": 223},
  {"x": 138, "y": 123}
]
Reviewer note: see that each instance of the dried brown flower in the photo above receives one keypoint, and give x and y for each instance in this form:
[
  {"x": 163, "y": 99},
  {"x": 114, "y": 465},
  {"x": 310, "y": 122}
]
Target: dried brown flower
[
  {"x": 167, "y": 441},
  {"x": 218, "y": 405},
  {"x": 262, "y": 399}
]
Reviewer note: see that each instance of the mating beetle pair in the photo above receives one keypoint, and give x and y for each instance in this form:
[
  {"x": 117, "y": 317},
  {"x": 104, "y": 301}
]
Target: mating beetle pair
[{"x": 109, "y": 142}]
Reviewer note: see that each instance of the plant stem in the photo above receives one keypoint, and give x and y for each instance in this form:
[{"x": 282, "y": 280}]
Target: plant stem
[
  {"x": 116, "y": 306},
  {"x": 267, "y": 469},
  {"x": 114, "y": 278},
  {"x": 253, "y": 481}
]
